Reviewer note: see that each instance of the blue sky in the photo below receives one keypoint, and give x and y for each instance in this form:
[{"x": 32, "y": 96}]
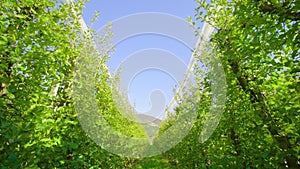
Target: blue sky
[{"x": 148, "y": 80}]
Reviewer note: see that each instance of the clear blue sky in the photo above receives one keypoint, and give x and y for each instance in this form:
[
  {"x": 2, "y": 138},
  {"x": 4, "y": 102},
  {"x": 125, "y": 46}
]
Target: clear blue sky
[{"x": 147, "y": 81}]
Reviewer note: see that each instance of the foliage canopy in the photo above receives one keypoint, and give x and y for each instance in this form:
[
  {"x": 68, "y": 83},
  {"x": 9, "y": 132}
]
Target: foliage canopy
[{"x": 258, "y": 43}]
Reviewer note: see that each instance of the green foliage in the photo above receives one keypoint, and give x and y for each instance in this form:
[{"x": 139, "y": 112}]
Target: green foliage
[
  {"x": 111, "y": 111},
  {"x": 40, "y": 43},
  {"x": 257, "y": 42}
]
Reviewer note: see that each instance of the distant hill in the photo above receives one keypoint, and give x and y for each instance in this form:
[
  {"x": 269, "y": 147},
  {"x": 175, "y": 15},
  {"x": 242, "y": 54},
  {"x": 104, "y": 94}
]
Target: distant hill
[
  {"x": 150, "y": 124},
  {"x": 146, "y": 119}
]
